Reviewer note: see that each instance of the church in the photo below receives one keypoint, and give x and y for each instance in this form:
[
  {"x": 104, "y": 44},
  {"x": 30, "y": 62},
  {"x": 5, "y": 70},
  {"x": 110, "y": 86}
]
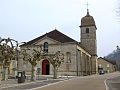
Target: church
[{"x": 80, "y": 58}]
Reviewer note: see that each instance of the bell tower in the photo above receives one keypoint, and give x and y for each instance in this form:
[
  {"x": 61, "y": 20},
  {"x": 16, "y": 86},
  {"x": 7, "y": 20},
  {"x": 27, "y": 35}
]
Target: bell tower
[
  {"x": 88, "y": 38},
  {"x": 88, "y": 33}
]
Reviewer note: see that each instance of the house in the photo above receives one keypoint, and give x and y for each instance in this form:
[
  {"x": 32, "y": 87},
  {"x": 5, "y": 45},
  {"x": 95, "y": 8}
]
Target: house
[{"x": 106, "y": 65}]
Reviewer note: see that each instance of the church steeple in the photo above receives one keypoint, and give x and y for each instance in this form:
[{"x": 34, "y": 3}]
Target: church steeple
[
  {"x": 88, "y": 20},
  {"x": 88, "y": 38},
  {"x": 87, "y": 11},
  {"x": 88, "y": 33}
]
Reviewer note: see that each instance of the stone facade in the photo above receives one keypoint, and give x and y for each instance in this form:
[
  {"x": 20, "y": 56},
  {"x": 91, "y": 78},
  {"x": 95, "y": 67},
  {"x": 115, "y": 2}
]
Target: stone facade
[
  {"x": 80, "y": 58},
  {"x": 107, "y": 66},
  {"x": 88, "y": 38}
]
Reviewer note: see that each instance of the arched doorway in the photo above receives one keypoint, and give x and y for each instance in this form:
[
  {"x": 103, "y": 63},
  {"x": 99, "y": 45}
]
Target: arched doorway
[{"x": 45, "y": 67}]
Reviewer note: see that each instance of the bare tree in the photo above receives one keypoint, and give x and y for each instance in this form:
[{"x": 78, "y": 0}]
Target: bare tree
[
  {"x": 32, "y": 58},
  {"x": 55, "y": 59},
  {"x": 7, "y": 54}
]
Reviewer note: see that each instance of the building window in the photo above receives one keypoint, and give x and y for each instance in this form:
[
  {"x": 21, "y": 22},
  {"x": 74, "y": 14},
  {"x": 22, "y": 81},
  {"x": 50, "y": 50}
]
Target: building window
[
  {"x": 99, "y": 66},
  {"x": 68, "y": 54},
  {"x": 108, "y": 65},
  {"x": 46, "y": 47},
  {"x": 87, "y": 30}
]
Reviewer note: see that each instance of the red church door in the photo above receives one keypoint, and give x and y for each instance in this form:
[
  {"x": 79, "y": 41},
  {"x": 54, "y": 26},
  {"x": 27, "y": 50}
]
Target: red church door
[{"x": 45, "y": 67}]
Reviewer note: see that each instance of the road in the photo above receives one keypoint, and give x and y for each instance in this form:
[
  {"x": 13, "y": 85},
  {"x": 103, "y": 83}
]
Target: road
[
  {"x": 113, "y": 83},
  {"x": 94, "y": 82}
]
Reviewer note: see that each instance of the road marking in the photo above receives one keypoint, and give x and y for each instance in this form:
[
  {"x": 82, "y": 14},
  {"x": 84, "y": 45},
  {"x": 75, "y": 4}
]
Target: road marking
[
  {"x": 47, "y": 85},
  {"x": 107, "y": 88},
  {"x": 63, "y": 81},
  {"x": 51, "y": 84}
]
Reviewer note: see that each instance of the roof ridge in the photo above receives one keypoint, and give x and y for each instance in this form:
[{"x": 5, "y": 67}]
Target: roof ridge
[{"x": 54, "y": 34}]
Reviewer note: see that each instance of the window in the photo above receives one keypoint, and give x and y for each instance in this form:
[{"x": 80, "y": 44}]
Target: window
[
  {"x": 99, "y": 65},
  {"x": 87, "y": 30},
  {"x": 108, "y": 65},
  {"x": 68, "y": 54},
  {"x": 46, "y": 47}
]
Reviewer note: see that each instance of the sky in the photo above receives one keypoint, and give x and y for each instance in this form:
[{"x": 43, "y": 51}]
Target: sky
[{"x": 24, "y": 20}]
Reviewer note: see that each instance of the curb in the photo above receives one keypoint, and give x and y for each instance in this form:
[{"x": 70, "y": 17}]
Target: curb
[
  {"x": 14, "y": 85},
  {"x": 106, "y": 86},
  {"x": 64, "y": 80}
]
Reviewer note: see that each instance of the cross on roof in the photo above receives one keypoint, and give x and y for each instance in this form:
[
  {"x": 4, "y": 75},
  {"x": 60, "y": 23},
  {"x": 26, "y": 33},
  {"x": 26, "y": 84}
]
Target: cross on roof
[
  {"x": 87, "y": 5},
  {"x": 87, "y": 8}
]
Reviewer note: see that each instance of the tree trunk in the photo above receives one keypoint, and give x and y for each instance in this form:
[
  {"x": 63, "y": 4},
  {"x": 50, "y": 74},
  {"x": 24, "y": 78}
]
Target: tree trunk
[
  {"x": 5, "y": 73},
  {"x": 32, "y": 74},
  {"x": 55, "y": 73}
]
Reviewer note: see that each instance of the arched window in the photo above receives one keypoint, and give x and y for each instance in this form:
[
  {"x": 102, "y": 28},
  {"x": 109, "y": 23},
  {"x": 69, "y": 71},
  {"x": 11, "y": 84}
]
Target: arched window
[
  {"x": 46, "y": 47},
  {"x": 68, "y": 54},
  {"x": 87, "y": 30}
]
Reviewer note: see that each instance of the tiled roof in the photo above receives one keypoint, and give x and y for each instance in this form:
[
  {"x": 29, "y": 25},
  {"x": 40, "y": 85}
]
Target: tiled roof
[
  {"x": 55, "y": 35},
  {"x": 114, "y": 63}
]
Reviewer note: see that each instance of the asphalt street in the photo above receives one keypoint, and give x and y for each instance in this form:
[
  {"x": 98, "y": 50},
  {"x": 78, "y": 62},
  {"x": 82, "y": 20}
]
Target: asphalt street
[
  {"x": 93, "y": 82},
  {"x": 113, "y": 83}
]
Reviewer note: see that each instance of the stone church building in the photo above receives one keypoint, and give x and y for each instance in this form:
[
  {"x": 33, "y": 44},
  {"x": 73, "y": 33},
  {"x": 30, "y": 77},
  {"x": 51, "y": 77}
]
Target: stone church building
[{"x": 80, "y": 58}]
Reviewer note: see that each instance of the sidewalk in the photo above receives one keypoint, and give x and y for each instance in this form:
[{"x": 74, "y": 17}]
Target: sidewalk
[{"x": 14, "y": 82}]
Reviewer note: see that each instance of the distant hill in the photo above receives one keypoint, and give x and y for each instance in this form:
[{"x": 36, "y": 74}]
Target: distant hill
[{"x": 114, "y": 57}]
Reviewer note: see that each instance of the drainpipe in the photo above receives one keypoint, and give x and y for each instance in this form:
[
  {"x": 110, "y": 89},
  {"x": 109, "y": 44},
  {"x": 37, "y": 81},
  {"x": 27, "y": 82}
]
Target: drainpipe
[
  {"x": 76, "y": 60},
  {"x": 81, "y": 63}
]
